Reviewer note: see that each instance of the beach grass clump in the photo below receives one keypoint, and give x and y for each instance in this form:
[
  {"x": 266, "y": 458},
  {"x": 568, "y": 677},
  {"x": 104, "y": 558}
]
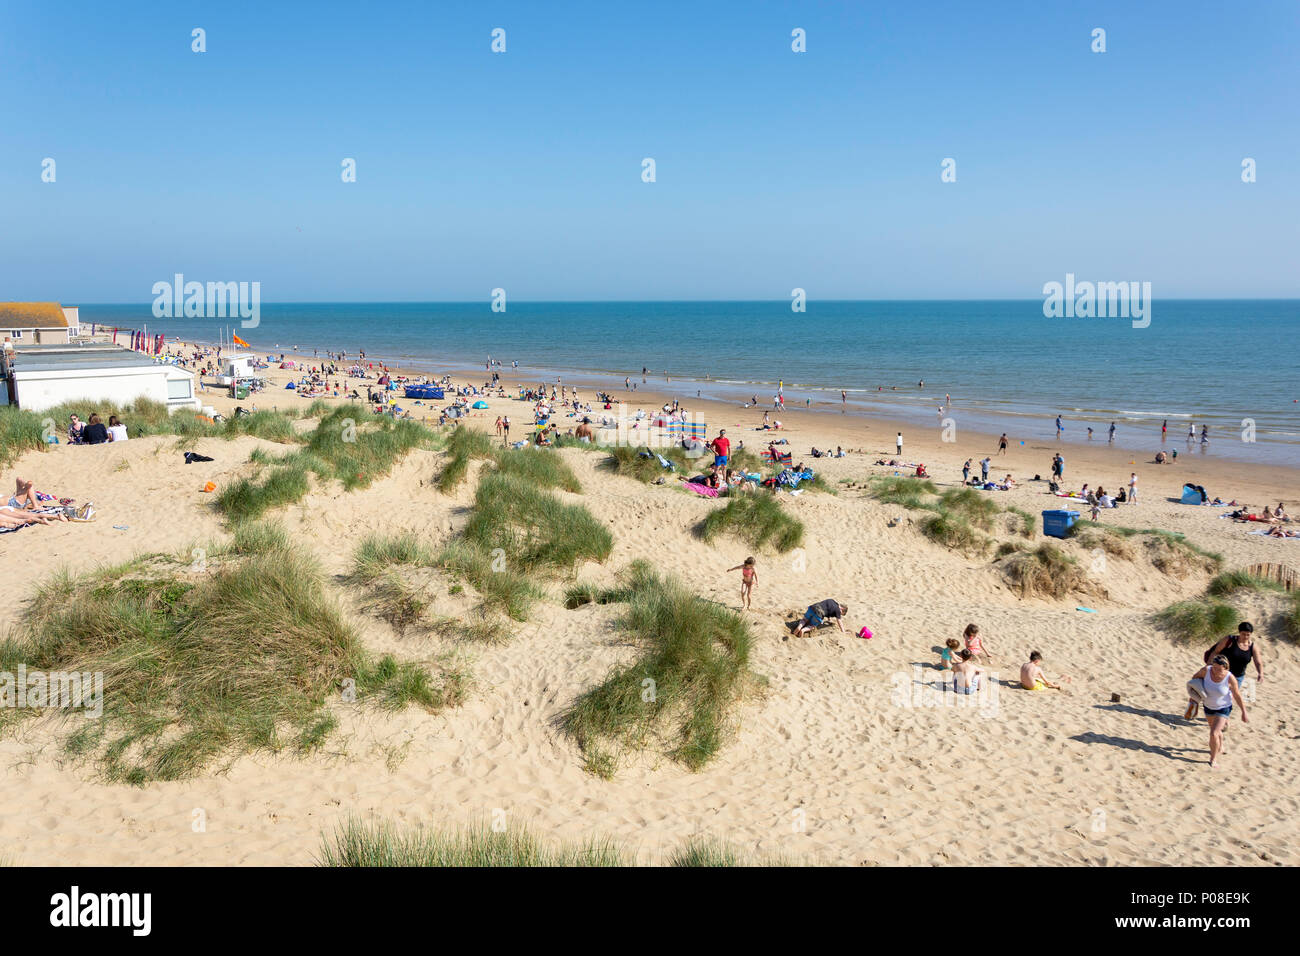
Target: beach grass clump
[
  {"x": 22, "y": 431},
  {"x": 380, "y": 844},
  {"x": 500, "y": 586},
  {"x": 533, "y": 528},
  {"x": 381, "y": 563},
  {"x": 1023, "y": 523},
  {"x": 1198, "y": 621},
  {"x": 580, "y": 594},
  {"x": 976, "y": 508},
  {"x": 276, "y": 426},
  {"x": 378, "y": 553},
  {"x": 906, "y": 492},
  {"x": 1047, "y": 571},
  {"x": 349, "y": 445},
  {"x": 240, "y": 659},
  {"x": 758, "y": 520},
  {"x": 1229, "y": 582},
  {"x": 539, "y": 467},
  {"x": 954, "y": 531},
  {"x": 715, "y": 852},
  {"x": 1099, "y": 536},
  {"x": 1291, "y": 617},
  {"x": 641, "y": 463},
  {"x": 692, "y": 670},
  {"x": 250, "y": 498},
  {"x": 463, "y": 445}
]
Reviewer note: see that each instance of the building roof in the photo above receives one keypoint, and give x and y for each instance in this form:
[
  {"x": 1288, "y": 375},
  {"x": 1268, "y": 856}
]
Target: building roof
[
  {"x": 32, "y": 315},
  {"x": 66, "y": 358}
]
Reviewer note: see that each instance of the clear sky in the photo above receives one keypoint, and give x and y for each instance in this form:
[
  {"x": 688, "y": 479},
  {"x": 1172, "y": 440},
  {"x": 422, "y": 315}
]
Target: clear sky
[{"x": 775, "y": 169}]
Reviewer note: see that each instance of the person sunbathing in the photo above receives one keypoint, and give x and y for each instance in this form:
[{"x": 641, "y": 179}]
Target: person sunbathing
[
  {"x": 23, "y": 496},
  {"x": 1280, "y": 513},
  {"x": 17, "y": 518},
  {"x": 1280, "y": 532}
]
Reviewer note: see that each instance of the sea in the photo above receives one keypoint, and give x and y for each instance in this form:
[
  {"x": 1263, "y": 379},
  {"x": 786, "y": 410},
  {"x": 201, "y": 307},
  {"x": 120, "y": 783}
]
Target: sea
[{"x": 1230, "y": 364}]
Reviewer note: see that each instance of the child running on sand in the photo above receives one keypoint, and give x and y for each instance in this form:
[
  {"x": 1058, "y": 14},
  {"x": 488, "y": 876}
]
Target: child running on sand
[
  {"x": 748, "y": 578},
  {"x": 974, "y": 643}
]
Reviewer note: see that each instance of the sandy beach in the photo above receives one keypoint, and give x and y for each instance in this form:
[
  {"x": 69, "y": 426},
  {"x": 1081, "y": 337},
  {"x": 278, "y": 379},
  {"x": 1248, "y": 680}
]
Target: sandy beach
[{"x": 843, "y": 758}]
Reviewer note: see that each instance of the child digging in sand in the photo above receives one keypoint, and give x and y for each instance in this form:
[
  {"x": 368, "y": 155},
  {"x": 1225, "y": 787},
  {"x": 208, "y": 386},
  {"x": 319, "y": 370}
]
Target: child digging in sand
[{"x": 748, "y": 578}]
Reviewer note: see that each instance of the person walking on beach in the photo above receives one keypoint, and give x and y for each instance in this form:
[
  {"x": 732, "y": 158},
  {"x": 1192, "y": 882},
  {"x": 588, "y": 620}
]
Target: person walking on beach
[
  {"x": 1059, "y": 429},
  {"x": 505, "y": 430},
  {"x": 899, "y": 443},
  {"x": 1164, "y": 431},
  {"x": 1220, "y": 693},
  {"x": 498, "y": 424},
  {"x": 1002, "y": 444},
  {"x": 965, "y": 473},
  {"x": 1111, "y": 437},
  {"x": 1133, "y": 488},
  {"x": 748, "y": 578},
  {"x": 1241, "y": 651},
  {"x": 1205, "y": 434},
  {"x": 1089, "y": 433}
]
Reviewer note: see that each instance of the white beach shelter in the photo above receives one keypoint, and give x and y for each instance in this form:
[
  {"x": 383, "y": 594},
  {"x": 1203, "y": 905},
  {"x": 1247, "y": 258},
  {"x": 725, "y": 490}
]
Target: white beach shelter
[{"x": 49, "y": 375}]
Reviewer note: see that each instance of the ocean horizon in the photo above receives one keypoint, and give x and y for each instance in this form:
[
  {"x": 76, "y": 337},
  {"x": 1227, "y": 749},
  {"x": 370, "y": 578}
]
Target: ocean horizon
[{"x": 1006, "y": 365}]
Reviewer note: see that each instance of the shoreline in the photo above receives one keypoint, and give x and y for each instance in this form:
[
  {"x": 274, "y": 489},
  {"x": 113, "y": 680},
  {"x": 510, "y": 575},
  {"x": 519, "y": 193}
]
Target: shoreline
[{"x": 1096, "y": 463}]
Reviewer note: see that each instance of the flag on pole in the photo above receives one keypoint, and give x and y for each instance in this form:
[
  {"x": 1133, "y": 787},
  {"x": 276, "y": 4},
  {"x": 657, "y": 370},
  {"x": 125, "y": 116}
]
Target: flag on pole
[{"x": 238, "y": 341}]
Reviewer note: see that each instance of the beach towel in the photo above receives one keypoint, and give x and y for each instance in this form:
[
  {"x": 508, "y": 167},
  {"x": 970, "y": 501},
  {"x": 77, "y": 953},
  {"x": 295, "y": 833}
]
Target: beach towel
[{"x": 702, "y": 490}]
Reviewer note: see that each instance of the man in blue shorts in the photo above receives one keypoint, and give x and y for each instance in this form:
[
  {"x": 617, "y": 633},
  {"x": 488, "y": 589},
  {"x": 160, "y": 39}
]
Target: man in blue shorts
[
  {"x": 721, "y": 449},
  {"x": 818, "y": 613}
]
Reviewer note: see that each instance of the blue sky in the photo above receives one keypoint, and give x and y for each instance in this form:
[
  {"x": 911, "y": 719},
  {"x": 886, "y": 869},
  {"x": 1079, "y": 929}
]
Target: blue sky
[{"x": 522, "y": 170}]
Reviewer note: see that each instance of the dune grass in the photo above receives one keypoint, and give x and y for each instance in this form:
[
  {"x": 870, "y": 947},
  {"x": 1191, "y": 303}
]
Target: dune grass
[
  {"x": 974, "y": 507},
  {"x": 22, "y": 431},
  {"x": 501, "y": 587},
  {"x": 240, "y": 659},
  {"x": 1198, "y": 621},
  {"x": 531, "y": 527},
  {"x": 954, "y": 531},
  {"x": 355, "y": 843},
  {"x": 539, "y": 467},
  {"x": 350, "y": 445},
  {"x": 1291, "y": 617},
  {"x": 463, "y": 445},
  {"x": 757, "y": 519},
  {"x": 379, "y": 563},
  {"x": 1024, "y": 523},
  {"x": 1047, "y": 571},
  {"x": 628, "y": 461},
  {"x": 906, "y": 492},
  {"x": 1230, "y": 581},
  {"x": 692, "y": 669}
]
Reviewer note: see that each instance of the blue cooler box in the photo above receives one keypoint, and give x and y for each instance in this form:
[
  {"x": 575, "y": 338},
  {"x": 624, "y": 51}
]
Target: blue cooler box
[{"x": 1057, "y": 523}]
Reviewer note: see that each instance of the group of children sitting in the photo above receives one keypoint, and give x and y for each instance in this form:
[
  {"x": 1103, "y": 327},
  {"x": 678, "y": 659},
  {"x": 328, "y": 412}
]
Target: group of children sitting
[{"x": 966, "y": 674}]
